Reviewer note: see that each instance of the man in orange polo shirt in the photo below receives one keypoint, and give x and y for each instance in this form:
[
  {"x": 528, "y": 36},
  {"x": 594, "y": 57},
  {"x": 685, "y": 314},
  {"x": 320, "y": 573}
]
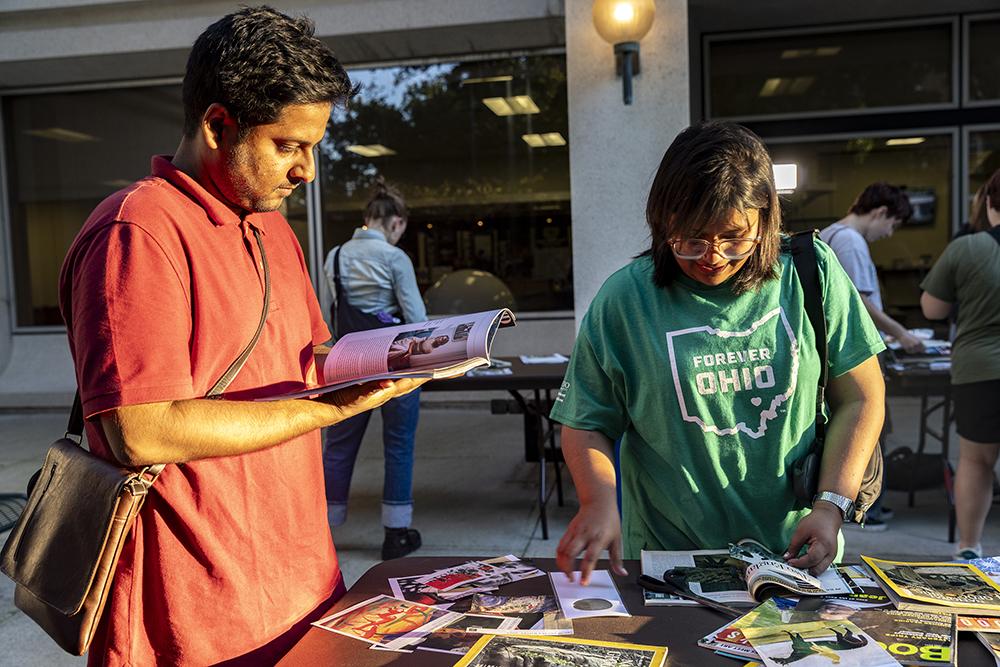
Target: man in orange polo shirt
[{"x": 162, "y": 289}]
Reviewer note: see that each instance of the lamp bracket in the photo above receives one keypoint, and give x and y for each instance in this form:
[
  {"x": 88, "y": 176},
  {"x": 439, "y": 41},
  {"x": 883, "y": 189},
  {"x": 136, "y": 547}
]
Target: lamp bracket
[{"x": 625, "y": 50}]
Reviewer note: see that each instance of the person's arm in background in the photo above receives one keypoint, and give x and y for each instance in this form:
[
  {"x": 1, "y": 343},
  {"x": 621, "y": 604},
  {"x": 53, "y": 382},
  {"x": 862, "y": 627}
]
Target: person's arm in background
[
  {"x": 935, "y": 308},
  {"x": 589, "y": 455},
  {"x": 889, "y": 326},
  {"x": 404, "y": 281},
  {"x": 857, "y": 404}
]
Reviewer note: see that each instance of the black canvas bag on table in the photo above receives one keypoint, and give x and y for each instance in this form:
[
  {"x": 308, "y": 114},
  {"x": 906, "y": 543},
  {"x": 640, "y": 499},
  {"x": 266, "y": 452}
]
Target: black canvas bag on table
[
  {"x": 805, "y": 472},
  {"x": 344, "y": 317},
  {"x": 64, "y": 549}
]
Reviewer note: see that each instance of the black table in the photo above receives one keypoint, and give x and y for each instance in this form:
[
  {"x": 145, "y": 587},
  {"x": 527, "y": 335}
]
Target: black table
[
  {"x": 530, "y": 387},
  {"x": 677, "y": 628},
  {"x": 934, "y": 389}
]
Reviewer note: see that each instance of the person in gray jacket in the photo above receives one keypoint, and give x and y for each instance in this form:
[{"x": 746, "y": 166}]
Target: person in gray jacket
[{"x": 377, "y": 278}]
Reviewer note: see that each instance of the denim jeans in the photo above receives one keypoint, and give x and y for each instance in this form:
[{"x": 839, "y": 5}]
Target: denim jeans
[{"x": 342, "y": 442}]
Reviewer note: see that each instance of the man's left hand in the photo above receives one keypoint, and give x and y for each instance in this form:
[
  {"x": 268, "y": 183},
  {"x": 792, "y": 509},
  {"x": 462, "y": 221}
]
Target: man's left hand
[
  {"x": 352, "y": 401},
  {"x": 817, "y": 530}
]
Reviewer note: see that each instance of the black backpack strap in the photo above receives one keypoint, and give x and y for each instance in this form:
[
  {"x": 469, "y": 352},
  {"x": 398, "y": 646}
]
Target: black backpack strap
[
  {"x": 75, "y": 425},
  {"x": 995, "y": 233},
  {"x": 803, "y": 248}
]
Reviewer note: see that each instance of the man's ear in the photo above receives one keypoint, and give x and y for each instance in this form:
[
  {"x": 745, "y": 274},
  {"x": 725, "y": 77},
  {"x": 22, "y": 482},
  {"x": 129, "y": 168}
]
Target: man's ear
[
  {"x": 880, "y": 212},
  {"x": 215, "y": 123}
]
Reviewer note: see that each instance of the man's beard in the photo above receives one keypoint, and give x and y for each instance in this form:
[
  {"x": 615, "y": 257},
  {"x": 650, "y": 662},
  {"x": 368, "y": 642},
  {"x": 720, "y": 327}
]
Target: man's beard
[{"x": 238, "y": 163}]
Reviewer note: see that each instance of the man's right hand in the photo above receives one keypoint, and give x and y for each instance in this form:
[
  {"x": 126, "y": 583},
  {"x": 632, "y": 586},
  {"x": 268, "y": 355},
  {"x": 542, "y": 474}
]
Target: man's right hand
[
  {"x": 352, "y": 401},
  {"x": 595, "y": 527}
]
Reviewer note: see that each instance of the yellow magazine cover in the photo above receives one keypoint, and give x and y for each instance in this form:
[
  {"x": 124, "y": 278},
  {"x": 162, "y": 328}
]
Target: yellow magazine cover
[
  {"x": 960, "y": 587},
  {"x": 513, "y": 651}
]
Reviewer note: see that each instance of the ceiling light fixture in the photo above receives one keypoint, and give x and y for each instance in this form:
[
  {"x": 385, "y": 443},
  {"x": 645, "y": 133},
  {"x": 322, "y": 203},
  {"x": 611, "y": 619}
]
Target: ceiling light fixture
[
  {"x": 370, "y": 150},
  {"x": 906, "y": 141},
  {"x": 62, "y": 134}
]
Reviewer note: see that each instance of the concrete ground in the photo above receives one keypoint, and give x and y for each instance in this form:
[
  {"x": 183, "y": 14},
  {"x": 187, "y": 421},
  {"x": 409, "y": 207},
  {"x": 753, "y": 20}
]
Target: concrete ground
[{"x": 474, "y": 495}]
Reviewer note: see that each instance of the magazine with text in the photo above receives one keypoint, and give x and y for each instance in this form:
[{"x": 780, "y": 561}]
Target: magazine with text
[
  {"x": 493, "y": 650},
  {"x": 746, "y": 573},
  {"x": 955, "y": 588},
  {"x": 443, "y": 348}
]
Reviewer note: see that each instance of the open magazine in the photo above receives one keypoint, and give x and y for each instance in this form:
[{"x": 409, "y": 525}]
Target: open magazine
[
  {"x": 744, "y": 574},
  {"x": 437, "y": 349}
]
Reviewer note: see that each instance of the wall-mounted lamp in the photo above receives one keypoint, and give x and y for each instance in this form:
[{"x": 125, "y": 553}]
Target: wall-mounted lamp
[{"x": 623, "y": 23}]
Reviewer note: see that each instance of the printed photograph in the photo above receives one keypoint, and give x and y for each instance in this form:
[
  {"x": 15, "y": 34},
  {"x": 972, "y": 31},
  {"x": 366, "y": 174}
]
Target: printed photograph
[
  {"x": 381, "y": 620},
  {"x": 454, "y": 637},
  {"x": 818, "y": 644}
]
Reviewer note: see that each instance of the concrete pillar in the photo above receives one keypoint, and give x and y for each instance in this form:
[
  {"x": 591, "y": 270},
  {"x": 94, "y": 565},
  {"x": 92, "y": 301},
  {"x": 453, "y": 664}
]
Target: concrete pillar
[{"x": 615, "y": 149}]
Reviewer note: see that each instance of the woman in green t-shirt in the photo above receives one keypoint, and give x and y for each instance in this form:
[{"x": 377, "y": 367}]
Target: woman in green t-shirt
[{"x": 700, "y": 357}]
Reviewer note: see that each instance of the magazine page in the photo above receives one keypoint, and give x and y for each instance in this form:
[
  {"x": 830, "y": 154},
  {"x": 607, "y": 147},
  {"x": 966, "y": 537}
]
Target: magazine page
[
  {"x": 442, "y": 348},
  {"x": 949, "y": 584},
  {"x": 436, "y": 345},
  {"x": 992, "y": 644},
  {"x": 655, "y": 563},
  {"x": 767, "y": 573},
  {"x": 819, "y": 643},
  {"x": 492, "y": 650}
]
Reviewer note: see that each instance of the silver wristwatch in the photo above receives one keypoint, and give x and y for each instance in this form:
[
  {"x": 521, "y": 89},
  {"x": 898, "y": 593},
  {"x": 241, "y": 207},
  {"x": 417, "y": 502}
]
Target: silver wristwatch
[{"x": 844, "y": 504}]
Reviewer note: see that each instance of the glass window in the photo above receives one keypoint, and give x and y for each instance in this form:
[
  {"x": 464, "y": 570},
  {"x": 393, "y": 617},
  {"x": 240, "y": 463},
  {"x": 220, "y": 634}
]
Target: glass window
[
  {"x": 984, "y": 60},
  {"x": 831, "y": 174},
  {"x": 479, "y": 151},
  {"x": 830, "y": 71},
  {"x": 65, "y": 152},
  {"x": 984, "y": 159}
]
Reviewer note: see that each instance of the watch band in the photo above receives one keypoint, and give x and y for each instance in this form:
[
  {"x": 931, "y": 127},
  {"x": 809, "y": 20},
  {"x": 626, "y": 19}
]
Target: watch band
[{"x": 843, "y": 503}]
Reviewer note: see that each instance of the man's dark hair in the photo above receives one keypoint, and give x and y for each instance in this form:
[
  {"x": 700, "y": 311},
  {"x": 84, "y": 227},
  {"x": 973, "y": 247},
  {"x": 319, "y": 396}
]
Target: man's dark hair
[
  {"x": 257, "y": 61},
  {"x": 709, "y": 171},
  {"x": 882, "y": 194}
]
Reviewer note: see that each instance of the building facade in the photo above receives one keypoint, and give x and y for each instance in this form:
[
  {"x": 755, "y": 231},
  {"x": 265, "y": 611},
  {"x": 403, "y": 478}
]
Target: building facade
[{"x": 503, "y": 124}]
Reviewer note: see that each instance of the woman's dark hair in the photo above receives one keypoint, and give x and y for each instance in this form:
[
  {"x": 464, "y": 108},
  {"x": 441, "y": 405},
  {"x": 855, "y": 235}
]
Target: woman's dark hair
[
  {"x": 386, "y": 201},
  {"x": 979, "y": 221},
  {"x": 257, "y": 61},
  {"x": 991, "y": 195},
  {"x": 894, "y": 199},
  {"x": 709, "y": 171}
]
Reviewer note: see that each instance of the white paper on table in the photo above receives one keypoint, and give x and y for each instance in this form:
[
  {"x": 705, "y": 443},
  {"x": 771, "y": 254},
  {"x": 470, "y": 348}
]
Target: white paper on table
[
  {"x": 538, "y": 359},
  {"x": 599, "y": 598}
]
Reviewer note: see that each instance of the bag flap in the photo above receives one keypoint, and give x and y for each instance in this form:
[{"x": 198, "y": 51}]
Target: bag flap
[{"x": 55, "y": 548}]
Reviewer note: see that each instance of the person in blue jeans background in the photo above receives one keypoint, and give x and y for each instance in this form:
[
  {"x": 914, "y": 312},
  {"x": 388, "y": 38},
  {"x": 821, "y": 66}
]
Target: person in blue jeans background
[{"x": 378, "y": 278}]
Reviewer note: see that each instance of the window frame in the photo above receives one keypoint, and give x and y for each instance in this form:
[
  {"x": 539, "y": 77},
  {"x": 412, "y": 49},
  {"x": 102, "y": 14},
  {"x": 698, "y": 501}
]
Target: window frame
[
  {"x": 967, "y": 21},
  {"x": 958, "y": 168},
  {"x": 956, "y": 86},
  {"x": 967, "y": 130}
]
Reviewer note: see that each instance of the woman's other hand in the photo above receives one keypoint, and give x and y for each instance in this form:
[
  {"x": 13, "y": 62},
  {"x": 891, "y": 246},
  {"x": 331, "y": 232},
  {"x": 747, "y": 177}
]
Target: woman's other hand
[
  {"x": 818, "y": 530},
  {"x": 595, "y": 527}
]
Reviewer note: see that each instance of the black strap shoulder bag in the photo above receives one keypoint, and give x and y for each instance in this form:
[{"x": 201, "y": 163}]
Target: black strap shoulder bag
[{"x": 805, "y": 472}]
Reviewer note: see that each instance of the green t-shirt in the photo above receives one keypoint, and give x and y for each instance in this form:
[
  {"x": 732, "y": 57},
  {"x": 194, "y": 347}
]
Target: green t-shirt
[
  {"x": 713, "y": 395},
  {"x": 968, "y": 273}
]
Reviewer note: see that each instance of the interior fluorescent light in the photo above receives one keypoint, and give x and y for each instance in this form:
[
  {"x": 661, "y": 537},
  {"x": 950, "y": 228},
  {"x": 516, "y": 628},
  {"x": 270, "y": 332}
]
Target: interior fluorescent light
[
  {"x": 770, "y": 87},
  {"x": 62, "y": 134},
  {"x": 553, "y": 139},
  {"x": 536, "y": 140},
  {"x": 905, "y": 141},
  {"x": 498, "y": 105},
  {"x": 818, "y": 52},
  {"x": 523, "y": 104},
  {"x": 800, "y": 84},
  {"x": 786, "y": 177},
  {"x": 827, "y": 51},
  {"x": 533, "y": 140},
  {"x": 370, "y": 150},
  {"x": 486, "y": 79}
]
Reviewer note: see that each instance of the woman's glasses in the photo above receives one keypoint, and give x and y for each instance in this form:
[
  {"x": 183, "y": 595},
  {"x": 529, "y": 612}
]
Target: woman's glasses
[{"x": 731, "y": 249}]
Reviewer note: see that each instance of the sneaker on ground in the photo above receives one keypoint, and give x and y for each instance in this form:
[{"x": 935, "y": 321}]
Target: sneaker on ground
[
  {"x": 887, "y": 514},
  {"x": 400, "y": 542},
  {"x": 968, "y": 553}
]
